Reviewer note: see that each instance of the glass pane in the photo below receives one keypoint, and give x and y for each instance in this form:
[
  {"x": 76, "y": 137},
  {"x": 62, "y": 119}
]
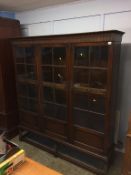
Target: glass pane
[
  {"x": 46, "y": 55},
  {"x": 97, "y": 104},
  {"x": 29, "y": 55},
  {"x": 20, "y": 69},
  {"x": 22, "y": 89},
  {"x": 81, "y": 56},
  {"x": 89, "y": 102},
  {"x": 48, "y": 94},
  {"x": 59, "y": 55},
  {"x": 32, "y": 105},
  {"x": 55, "y": 111},
  {"x": 54, "y": 95},
  {"x": 19, "y": 54},
  {"x": 27, "y": 104},
  {"x": 27, "y": 90},
  {"x": 60, "y": 96},
  {"x": 81, "y": 77},
  {"x": 99, "y": 56},
  {"x": 59, "y": 75},
  {"x": 98, "y": 79},
  {"x": 32, "y": 91},
  {"x": 23, "y": 103},
  {"x": 30, "y": 72},
  {"x": 80, "y": 100},
  {"x": 47, "y": 74},
  {"x": 88, "y": 120}
]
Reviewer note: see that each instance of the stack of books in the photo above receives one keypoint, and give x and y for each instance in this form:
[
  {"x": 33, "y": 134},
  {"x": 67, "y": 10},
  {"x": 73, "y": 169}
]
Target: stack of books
[{"x": 11, "y": 158}]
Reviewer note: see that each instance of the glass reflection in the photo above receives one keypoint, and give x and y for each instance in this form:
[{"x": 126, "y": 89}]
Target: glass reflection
[
  {"x": 99, "y": 56},
  {"x": 89, "y": 120},
  {"x": 98, "y": 79},
  {"x": 81, "y": 56},
  {"x": 59, "y": 55}
]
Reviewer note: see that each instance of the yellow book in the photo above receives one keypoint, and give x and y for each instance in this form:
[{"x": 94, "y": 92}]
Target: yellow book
[{"x": 7, "y": 166}]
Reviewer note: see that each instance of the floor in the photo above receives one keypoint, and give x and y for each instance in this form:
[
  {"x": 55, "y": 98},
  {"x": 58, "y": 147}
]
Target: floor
[{"x": 66, "y": 168}]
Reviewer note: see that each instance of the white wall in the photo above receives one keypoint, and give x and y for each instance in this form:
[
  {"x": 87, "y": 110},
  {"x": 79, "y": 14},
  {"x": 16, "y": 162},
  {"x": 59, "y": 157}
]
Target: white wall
[{"x": 88, "y": 16}]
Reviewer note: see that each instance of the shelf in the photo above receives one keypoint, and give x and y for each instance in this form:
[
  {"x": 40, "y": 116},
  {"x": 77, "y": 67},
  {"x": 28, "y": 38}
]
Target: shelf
[
  {"x": 27, "y": 111},
  {"x": 83, "y": 88},
  {"x": 89, "y": 120},
  {"x": 22, "y": 80},
  {"x": 53, "y": 103},
  {"x": 91, "y": 131},
  {"x": 28, "y": 64},
  {"x": 53, "y": 65},
  {"x": 54, "y": 85},
  {"x": 27, "y": 97},
  {"x": 90, "y": 67},
  {"x": 55, "y": 119},
  {"x": 55, "y": 111},
  {"x": 85, "y": 110}
]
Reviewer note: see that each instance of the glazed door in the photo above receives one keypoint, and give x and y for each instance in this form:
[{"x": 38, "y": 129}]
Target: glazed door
[
  {"x": 53, "y": 66},
  {"x": 27, "y": 85},
  {"x": 89, "y": 93}
]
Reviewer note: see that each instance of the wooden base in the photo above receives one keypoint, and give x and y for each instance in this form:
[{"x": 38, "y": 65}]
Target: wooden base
[{"x": 93, "y": 162}]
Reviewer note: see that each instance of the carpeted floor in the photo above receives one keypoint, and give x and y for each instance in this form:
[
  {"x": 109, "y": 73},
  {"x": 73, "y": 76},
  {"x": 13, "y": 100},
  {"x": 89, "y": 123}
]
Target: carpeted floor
[{"x": 61, "y": 165}]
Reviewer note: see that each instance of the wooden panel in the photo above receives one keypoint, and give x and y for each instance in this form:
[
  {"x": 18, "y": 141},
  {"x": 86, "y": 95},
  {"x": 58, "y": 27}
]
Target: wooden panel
[
  {"x": 87, "y": 138},
  {"x": 29, "y": 120},
  {"x": 90, "y": 120},
  {"x": 55, "y": 127}
]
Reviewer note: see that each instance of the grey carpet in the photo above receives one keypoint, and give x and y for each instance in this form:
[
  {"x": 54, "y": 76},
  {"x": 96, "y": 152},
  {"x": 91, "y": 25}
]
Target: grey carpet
[{"x": 60, "y": 165}]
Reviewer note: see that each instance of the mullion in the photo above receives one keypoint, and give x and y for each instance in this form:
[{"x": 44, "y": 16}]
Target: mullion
[{"x": 53, "y": 76}]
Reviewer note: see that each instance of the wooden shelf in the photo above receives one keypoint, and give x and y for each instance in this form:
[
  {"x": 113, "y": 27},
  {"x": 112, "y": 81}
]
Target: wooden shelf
[
  {"x": 91, "y": 68},
  {"x": 83, "y": 88},
  {"x": 53, "y": 103},
  {"x": 55, "y": 119},
  {"x": 91, "y": 131},
  {"x": 54, "y": 85},
  {"x": 27, "y": 97},
  {"x": 53, "y": 65},
  {"x": 28, "y": 81},
  {"x": 93, "y": 112},
  {"x": 26, "y": 64}
]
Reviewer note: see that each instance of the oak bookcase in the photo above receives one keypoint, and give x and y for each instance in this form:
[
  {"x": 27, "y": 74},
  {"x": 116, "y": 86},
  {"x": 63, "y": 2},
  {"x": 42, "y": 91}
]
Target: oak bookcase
[{"x": 66, "y": 91}]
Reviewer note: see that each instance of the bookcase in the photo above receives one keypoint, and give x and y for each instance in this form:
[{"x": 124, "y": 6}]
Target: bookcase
[{"x": 66, "y": 92}]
